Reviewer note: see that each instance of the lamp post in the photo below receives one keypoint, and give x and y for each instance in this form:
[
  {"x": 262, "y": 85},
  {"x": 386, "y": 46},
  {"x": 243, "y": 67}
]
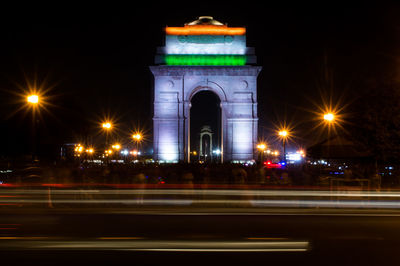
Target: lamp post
[
  {"x": 283, "y": 134},
  {"x": 33, "y": 102},
  {"x": 107, "y": 127},
  {"x": 116, "y": 147},
  {"x": 330, "y": 120},
  {"x": 90, "y": 153},
  {"x": 261, "y": 147},
  {"x": 137, "y": 137}
]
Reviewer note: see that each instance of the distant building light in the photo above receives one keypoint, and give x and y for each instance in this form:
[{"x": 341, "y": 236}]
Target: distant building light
[
  {"x": 217, "y": 151},
  {"x": 295, "y": 157}
]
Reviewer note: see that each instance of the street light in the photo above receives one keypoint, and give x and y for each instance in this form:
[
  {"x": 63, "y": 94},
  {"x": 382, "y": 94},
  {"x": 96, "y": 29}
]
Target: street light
[
  {"x": 116, "y": 146},
  {"x": 79, "y": 148},
  {"x": 137, "y": 137},
  {"x": 261, "y": 147},
  {"x": 33, "y": 101},
  {"x": 107, "y": 126},
  {"x": 284, "y": 134},
  {"x": 329, "y": 117}
]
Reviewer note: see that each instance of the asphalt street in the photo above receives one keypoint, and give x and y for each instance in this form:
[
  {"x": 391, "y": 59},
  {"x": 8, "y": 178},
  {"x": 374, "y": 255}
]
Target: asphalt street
[{"x": 166, "y": 236}]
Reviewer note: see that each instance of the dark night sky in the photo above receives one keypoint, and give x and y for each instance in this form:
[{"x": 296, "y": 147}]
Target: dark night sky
[{"x": 97, "y": 59}]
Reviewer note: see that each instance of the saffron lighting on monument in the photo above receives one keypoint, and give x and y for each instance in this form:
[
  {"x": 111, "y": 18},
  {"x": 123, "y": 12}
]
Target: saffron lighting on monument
[
  {"x": 205, "y": 30},
  {"x": 205, "y": 55}
]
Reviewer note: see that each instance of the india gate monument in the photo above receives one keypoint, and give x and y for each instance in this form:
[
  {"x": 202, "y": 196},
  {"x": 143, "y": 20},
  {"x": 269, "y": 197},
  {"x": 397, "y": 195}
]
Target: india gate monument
[{"x": 205, "y": 55}]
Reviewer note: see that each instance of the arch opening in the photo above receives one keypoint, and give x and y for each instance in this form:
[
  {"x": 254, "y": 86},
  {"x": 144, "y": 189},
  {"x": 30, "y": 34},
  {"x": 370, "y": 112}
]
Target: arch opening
[{"x": 205, "y": 127}]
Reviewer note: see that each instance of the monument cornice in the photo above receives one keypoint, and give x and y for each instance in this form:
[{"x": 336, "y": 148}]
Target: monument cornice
[{"x": 164, "y": 70}]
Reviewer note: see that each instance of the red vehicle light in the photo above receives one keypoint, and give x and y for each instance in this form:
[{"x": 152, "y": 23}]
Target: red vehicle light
[{"x": 269, "y": 164}]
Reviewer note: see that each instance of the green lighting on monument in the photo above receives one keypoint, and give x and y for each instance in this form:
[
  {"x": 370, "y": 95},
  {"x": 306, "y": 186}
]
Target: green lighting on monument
[{"x": 205, "y": 60}]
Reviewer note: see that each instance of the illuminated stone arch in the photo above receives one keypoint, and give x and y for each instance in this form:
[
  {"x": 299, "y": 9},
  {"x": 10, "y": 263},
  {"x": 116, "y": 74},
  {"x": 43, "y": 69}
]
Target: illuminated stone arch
[
  {"x": 174, "y": 86},
  {"x": 207, "y": 85},
  {"x": 205, "y": 55}
]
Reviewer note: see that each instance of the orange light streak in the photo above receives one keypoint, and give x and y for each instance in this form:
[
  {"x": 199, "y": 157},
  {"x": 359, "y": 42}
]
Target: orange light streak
[{"x": 204, "y": 30}]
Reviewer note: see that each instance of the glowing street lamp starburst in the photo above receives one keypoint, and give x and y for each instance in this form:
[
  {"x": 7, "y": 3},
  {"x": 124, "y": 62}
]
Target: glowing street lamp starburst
[
  {"x": 329, "y": 117},
  {"x": 329, "y": 114},
  {"x": 33, "y": 98},
  {"x": 137, "y": 137},
  {"x": 116, "y": 146},
  {"x": 107, "y": 125},
  {"x": 283, "y": 133},
  {"x": 261, "y": 146}
]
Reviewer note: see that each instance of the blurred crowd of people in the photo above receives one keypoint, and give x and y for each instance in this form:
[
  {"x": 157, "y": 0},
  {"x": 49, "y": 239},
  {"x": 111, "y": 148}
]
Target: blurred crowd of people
[{"x": 183, "y": 173}]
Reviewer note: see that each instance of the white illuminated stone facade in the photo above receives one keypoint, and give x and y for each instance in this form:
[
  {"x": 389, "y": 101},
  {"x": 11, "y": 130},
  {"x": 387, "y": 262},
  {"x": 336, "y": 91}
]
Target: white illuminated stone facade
[{"x": 174, "y": 87}]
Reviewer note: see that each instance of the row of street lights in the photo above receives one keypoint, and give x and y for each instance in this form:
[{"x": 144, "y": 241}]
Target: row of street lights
[
  {"x": 284, "y": 135},
  {"x": 137, "y": 138},
  {"x": 34, "y": 100},
  {"x": 108, "y": 126},
  {"x": 89, "y": 151}
]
